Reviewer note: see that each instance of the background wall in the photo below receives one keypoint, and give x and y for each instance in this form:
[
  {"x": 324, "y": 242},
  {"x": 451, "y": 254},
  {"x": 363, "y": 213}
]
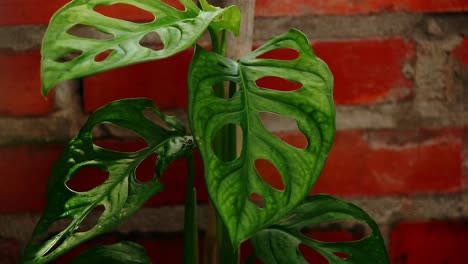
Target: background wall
[{"x": 401, "y": 150}]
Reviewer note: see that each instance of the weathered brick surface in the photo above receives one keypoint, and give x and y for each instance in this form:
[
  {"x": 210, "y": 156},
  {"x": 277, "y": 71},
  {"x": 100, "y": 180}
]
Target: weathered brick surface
[
  {"x": 344, "y": 7},
  {"x": 10, "y": 251},
  {"x": 149, "y": 80},
  {"x": 13, "y": 12},
  {"x": 401, "y": 149},
  {"x": 390, "y": 162},
  {"x": 368, "y": 71},
  {"x": 465, "y": 158},
  {"x": 431, "y": 242},
  {"x": 20, "y": 77},
  {"x": 461, "y": 52},
  {"x": 24, "y": 176}
]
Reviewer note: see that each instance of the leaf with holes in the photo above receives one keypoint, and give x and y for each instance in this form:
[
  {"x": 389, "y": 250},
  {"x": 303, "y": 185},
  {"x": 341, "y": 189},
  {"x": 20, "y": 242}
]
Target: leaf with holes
[
  {"x": 233, "y": 185},
  {"x": 124, "y": 253},
  {"x": 67, "y": 56},
  {"x": 121, "y": 194},
  {"x": 278, "y": 244}
]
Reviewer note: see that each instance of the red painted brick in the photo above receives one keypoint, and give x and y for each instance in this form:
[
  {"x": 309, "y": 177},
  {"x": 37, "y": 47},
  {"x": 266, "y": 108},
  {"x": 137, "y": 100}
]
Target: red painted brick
[
  {"x": 346, "y": 7},
  {"x": 391, "y": 162},
  {"x": 461, "y": 52},
  {"x": 21, "y": 85},
  {"x": 163, "y": 81},
  {"x": 10, "y": 251},
  {"x": 21, "y": 12},
  {"x": 367, "y": 71},
  {"x": 25, "y": 170},
  {"x": 429, "y": 242},
  {"x": 17, "y": 12}
]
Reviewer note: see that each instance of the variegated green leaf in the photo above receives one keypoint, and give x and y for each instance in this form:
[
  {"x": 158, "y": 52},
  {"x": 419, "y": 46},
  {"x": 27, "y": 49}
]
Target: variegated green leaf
[
  {"x": 231, "y": 184},
  {"x": 177, "y": 29},
  {"x": 278, "y": 244},
  {"x": 121, "y": 194}
]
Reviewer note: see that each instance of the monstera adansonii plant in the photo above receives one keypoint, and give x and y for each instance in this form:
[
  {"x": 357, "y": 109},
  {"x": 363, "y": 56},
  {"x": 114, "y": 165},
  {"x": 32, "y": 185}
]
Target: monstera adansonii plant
[{"x": 225, "y": 99}]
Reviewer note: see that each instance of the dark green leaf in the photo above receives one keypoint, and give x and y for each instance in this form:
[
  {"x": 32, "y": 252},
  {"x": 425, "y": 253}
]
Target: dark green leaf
[
  {"x": 121, "y": 194},
  {"x": 122, "y": 253},
  {"x": 278, "y": 244},
  {"x": 177, "y": 29},
  {"x": 230, "y": 184},
  {"x": 190, "y": 217}
]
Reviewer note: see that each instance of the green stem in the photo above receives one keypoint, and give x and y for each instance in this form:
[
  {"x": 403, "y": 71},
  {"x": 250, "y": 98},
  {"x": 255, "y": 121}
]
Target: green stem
[
  {"x": 226, "y": 146},
  {"x": 190, "y": 217},
  {"x": 226, "y": 252}
]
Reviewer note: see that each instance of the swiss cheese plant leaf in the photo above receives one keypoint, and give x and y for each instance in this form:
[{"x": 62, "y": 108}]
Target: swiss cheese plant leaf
[
  {"x": 278, "y": 244},
  {"x": 232, "y": 183},
  {"x": 177, "y": 30},
  {"x": 120, "y": 253},
  {"x": 121, "y": 194}
]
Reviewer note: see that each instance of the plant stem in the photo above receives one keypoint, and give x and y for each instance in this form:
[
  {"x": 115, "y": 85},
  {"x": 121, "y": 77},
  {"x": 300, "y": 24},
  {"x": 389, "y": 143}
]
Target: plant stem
[
  {"x": 190, "y": 217},
  {"x": 226, "y": 144}
]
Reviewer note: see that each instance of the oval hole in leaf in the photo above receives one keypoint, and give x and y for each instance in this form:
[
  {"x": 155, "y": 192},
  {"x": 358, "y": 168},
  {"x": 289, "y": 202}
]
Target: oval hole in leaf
[
  {"x": 175, "y": 4},
  {"x": 88, "y": 32},
  {"x": 103, "y": 55},
  {"x": 125, "y": 12},
  {"x": 145, "y": 171},
  {"x": 91, "y": 219},
  {"x": 232, "y": 87},
  {"x": 275, "y": 123},
  {"x": 269, "y": 173},
  {"x": 311, "y": 256},
  {"x": 155, "y": 118},
  {"x": 226, "y": 130},
  {"x": 56, "y": 245},
  {"x": 127, "y": 146},
  {"x": 104, "y": 136},
  {"x": 277, "y": 84},
  {"x": 56, "y": 227},
  {"x": 152, "y": 40},
  {"x": 341, "y": 255},
  {"x": 87, "y": 178},
  {"x": 257, "y": 199},
  {"x": 280, "y": 54},
  {"x": 338, "y": 231},
  {"x": 69, "y": 56}
]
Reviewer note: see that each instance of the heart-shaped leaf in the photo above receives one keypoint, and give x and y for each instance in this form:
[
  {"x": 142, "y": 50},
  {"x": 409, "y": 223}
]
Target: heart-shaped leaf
[
  {"x": 177, "y": 30},
  {"x": 231, "y": 184},
  {"x": 120, "y": 253},
  {"x": 121, "y": 194},
  {"x": 278, "y": 244}
]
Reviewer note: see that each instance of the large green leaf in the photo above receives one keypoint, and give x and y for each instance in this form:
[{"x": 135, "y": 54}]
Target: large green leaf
[
  {"x": 230, "y": 184},
  {"x": 278, "y": 244},
  {"x": 121, "y": 194},
  {"x": 177, "y": 30},
  {"x": 120, "y": 253}
]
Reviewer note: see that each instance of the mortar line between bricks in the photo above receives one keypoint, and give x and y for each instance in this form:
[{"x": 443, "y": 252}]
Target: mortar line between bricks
[
  {"x": 386, "y": 211},
  {"x": 61, "y": 126},
  {"x": 324, "y": 27}
]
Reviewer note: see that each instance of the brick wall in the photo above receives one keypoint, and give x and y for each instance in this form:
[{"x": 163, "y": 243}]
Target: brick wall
[{"x": 401, "y": 150}]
